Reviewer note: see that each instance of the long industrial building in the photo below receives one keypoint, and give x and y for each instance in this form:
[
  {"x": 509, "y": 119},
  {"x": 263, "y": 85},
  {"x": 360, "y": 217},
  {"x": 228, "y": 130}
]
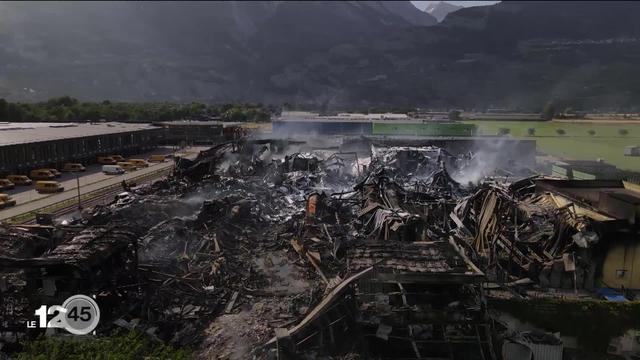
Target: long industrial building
[
  {"x": 299, "y": 122},
  {"x": 25, "y": 146},
  {"x": 198, "y": 132},
  {"x": 402, "y": 130}
]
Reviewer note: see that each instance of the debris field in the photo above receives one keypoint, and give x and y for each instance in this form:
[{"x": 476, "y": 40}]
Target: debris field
[{"x": 274, "y": 249}]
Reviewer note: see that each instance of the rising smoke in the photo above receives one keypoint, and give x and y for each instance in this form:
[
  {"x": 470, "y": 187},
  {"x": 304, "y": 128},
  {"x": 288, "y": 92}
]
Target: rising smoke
[{"x": 488, "y": 156}]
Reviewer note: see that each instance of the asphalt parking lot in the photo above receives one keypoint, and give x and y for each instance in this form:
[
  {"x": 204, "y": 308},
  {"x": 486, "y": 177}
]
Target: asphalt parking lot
[{"x": 28, "y": 199}]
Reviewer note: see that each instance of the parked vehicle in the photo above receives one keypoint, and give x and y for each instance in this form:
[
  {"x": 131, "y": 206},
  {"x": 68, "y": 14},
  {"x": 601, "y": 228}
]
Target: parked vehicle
[
  {"x": 20, "y": 179},
  {"x": 6, "y": 201},
  {"x": 6, "y": 184},
  {"x": 157, "y": 158},
  {"x": 118, "y": 158},
  {"x": 106, "y": 160},
  {"x": 73, "y": 167},
  {"x": 41, "y": 174},
  {"x": 124, "y": 198},
  {"x": 139, "y": 162},
  {"x": 49, "y": 187},
  {"x": 112, "y": 170},
  {"x": 128, "y": 166},
  {"x": 55, "y": 172}
]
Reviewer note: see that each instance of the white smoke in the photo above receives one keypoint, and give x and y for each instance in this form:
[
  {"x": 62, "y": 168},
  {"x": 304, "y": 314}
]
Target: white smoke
[{"x": 487, "y": 156}]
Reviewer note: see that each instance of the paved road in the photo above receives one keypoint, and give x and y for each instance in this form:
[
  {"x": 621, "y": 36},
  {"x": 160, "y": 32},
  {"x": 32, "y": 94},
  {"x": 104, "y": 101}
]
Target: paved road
[{"x": 28, "y": 199}]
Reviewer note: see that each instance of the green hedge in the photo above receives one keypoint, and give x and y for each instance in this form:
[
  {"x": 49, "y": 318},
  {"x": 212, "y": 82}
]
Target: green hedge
[{"x": 120, "y": 346}]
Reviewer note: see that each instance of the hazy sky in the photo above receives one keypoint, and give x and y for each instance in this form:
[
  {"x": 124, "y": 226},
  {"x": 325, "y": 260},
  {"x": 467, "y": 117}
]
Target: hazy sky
[{"x": 423, "y": 4}]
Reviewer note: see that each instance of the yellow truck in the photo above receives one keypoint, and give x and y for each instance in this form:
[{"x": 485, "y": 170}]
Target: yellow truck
[
  {"x": 20, "y": 179},
  {"x": 47, "y": 187},
  {"x": 106, "y": 160},
  {"x": 157, "y": 158},
  {"x": 6, "y": 201},
  {"x": 73, "y": 167},
  {"x": 6, "y": 184},
  {"x": 127, "y": 166},
  {"x": 41, "y": 174},
  {"x": 138, "y": 162}
]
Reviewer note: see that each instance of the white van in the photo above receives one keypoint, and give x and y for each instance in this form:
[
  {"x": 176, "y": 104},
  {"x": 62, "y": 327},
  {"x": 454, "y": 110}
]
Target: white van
[{"x": 112, "y": 169}]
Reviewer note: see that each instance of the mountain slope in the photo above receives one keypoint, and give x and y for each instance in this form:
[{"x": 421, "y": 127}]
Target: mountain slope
[
  {"x": 441, "y": 9},
  {"x": 174, "y": 50},
  {"x": 513, "y": 54}
]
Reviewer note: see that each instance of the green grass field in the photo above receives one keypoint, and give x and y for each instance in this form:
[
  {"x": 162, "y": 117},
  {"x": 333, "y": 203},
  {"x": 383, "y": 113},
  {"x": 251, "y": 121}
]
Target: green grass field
[{"x": 576, "y": 143}]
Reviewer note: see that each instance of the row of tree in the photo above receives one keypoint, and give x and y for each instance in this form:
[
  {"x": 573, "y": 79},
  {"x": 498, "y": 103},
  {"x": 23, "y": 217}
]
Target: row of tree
[
  {"x": 65, "y": 108},
  {"x": 561, "y": 132}
]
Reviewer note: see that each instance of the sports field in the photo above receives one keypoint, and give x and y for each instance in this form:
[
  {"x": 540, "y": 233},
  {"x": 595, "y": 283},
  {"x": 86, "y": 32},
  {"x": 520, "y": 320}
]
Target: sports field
[{"x": 576, "y": 143}]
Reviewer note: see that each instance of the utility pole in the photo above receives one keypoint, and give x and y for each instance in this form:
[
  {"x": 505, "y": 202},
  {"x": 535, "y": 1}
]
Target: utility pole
[{"x": 78, "y": 186}]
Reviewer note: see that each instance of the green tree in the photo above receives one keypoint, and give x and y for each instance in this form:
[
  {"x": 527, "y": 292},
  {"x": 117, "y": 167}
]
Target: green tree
[
  {"x": 225, "y": 107},
  {"x": 250, "y": 114},
  {"x": 62, "y": 101},
  {"x": 560, "y": 132},
  {"x": 89, "y": 111},
  {"x": 591, "y": 132},
  {"x": 234, "y": 114},
  {"x": 531, "y": 131},
  {"x": 262, "y": 116},
  {"x": 504, "y": 131},
  {"x": 66, "y": 108},
  {"x": 213, "y": 110},
  {"x": 4, "y": 110},
  {"x": 60, "y": 113},
  {"x": 15, "y": 112},
  {"x": 623, "y": 132},
  {"x": 197, "y": 108}
]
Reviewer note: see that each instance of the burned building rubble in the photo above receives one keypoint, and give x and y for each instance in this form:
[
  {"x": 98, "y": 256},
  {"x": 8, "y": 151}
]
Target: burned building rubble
[
  {"x": 529, "y": 233},
  {"x": 266, "y": 249},
  {"x": 412, "y": 285}
]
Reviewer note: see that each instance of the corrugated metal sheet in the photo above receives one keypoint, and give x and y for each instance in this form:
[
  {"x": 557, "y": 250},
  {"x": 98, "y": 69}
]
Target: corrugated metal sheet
[
  {"x": 524, "y": 350},
  {"x": 516, "y": 351},
  {"x": 544, "y": 351}
]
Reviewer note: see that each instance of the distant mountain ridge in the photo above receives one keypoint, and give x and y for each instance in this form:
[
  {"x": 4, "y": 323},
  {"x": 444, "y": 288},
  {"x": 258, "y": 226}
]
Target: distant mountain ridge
[
  {"x": 174, "y": 50},
  {"x": 441, "y": 9},
  {"x": 335, "y": 54}
]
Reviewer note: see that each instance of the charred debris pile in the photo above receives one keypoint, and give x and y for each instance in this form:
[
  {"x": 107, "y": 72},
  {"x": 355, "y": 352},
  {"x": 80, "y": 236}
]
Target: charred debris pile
[{"x": 270, "y": 248}]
